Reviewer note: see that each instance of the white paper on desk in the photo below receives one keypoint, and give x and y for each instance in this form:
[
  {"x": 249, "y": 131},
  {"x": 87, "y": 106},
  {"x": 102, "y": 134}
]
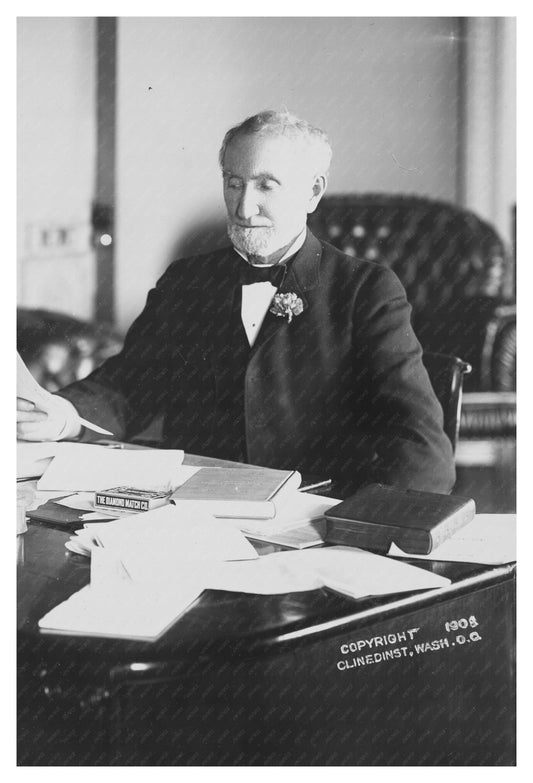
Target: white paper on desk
[
  {"x": 270, "y": 575},
  {"x": 78, "y": 547},
  {"x": 170, "y": 543},
  {"x": 83, "y": 542},
  {"x": 350, "y": 571},
  {"x": 106, "y": 569},
  {"x": 86, "y": 467},
  {"x": 358, "y": 573},
  {"x": 489, "y": 539},
  {"x": 29, "y": 389},
  {"x": 96, "y": 516},
  {"x": 121, "y": 610},
  {"x": 90, "y": 533},
  {"x": 40, "y": 498},
  {"x": 298, "y": 509},
  {"x": 81, "y": 501},
  {"x": 301, "y": 536},
  {"x": 34, "y": 458}
]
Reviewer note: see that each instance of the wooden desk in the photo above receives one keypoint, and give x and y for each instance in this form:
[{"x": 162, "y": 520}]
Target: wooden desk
[{"x": 272, "y": 680}]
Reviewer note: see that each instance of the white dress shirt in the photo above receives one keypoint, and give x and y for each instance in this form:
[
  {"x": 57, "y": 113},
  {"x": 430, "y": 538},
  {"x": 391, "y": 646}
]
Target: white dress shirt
[{"x": 257, "y": 297}]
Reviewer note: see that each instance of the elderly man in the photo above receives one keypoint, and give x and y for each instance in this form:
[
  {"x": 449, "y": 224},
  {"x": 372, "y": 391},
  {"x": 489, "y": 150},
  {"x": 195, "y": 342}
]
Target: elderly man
[{"x": 278, "y": 351}]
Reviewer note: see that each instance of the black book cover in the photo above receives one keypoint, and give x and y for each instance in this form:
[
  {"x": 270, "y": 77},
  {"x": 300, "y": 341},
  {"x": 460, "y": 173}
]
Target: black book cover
[
  {"x": 56, "y": 515},
  {"x": 378, "y": 515}
]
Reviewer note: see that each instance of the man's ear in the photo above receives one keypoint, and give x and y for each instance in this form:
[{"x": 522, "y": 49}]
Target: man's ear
[{"x": 320, "y": 184}]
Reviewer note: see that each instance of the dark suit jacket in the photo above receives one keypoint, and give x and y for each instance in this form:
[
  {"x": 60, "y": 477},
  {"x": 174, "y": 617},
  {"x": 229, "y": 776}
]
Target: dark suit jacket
[{"x": 341, "y": 391}]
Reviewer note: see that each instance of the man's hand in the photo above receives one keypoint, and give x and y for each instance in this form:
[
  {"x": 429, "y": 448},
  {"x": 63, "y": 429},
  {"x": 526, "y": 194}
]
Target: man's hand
[{"x": 60, "y": 421}]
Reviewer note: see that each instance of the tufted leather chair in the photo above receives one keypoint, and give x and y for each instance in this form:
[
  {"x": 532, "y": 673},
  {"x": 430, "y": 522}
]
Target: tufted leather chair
[
  {"x": 59, "y": 349},
  {"x": 452, "y": 265}
]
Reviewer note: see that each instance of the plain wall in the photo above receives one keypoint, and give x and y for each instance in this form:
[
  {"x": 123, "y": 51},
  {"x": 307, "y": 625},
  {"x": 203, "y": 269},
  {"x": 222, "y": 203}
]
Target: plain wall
[
  {"x": 385, "y": 90},
  {"x": 56, "y": 161}
]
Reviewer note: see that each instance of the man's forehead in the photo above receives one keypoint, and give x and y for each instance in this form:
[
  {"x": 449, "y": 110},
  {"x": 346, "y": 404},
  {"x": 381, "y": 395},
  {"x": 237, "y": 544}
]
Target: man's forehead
[
  {"x": 264, "y": 174},
  {"x": 260, "y": 156}
]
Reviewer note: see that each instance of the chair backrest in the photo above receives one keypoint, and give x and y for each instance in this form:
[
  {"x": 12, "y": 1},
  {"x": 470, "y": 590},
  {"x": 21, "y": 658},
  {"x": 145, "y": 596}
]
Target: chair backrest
[
  {"x": 446, "y": 375},
  {"x": 442, "y": 254},
  {"x": 59, "y": 349}
]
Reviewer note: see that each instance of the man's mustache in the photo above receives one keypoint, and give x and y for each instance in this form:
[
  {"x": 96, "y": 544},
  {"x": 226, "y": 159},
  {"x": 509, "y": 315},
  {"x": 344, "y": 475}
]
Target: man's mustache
[{"x": 250, "y": 225}]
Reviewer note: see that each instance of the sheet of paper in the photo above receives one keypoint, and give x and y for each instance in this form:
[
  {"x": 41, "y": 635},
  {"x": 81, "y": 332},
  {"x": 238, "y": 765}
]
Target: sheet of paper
[
  {"x": 163, "y": 545},
  {"x": 301, "y": 536},
  {"x": 95, "y": 516},
  {"x": 29, "y": 389},
  {"x": 270, "y": 575},
  {"x": 125, "y": 611},
  {"x": 350, "y": 571},
  {"x": 489, "y": 539},
  {"x": 298, "y": 509},
  {"x": 86, "y": 467},
  {"x": 358, "y": 573},
  {"x": 82, "y": 501},
  {"x": 78, "y": 549},
  {"x": 167, "y": 543},
  {"x": 107, "y": 570},
  {"x": 89, "y": 533},
  {"x": 34, "y": 458},
  {"x": 80, "y": 545},
  {"x": 40, "y": 497}
]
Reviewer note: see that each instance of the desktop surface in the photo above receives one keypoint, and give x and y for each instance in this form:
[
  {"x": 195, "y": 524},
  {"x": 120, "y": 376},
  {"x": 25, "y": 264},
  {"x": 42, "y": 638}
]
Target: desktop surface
[{"x": 308, "y": 678}]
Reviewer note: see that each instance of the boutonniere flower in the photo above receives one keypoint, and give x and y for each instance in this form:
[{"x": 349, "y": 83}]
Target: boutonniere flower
[{"x": 287, "y": 305}]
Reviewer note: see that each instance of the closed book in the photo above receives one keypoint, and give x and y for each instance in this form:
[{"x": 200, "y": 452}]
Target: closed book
[
  {"x": 127, "y": 500},
  {"x": 56, "y": 515},
  {"x": 240, "y": 493},
  {"x": 379, "y": 515}
]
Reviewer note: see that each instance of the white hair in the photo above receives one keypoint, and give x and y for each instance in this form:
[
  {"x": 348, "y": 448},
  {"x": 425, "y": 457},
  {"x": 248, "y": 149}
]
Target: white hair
[{"x": 283, "y": 123}]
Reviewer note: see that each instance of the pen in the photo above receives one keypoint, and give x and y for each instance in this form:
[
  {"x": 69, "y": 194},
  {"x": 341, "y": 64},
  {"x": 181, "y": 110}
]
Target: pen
[{"x": 316, "y": 485}]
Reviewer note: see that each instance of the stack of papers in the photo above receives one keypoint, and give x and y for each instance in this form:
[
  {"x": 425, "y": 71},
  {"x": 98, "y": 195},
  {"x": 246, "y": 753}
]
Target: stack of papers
[
  {"x": 148, "y": 568},
  {"x": 129, "y": 599},
  {"x": 299, "y": 524},
  {"x": 151, "y": 545}
]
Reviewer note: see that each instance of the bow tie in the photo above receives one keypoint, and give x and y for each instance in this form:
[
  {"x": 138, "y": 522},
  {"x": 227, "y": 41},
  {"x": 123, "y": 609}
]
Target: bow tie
[{"x": 260, "y": 274}]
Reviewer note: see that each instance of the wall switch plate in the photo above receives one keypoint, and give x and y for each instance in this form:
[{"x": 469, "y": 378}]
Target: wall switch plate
[{"x": 57, "y": 239}]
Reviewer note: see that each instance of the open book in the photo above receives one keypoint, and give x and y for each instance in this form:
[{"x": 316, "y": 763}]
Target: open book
[{"x": 241, "y": 493}]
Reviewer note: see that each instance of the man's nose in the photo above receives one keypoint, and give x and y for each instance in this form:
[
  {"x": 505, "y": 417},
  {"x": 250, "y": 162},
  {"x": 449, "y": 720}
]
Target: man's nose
[{"x": 248, "y": 205}]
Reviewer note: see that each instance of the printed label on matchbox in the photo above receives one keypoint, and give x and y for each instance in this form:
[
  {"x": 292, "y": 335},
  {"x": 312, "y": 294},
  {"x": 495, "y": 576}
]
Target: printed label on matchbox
[
  {"x": 129, "y": 499},
  {"x": 131, "y": 504}
]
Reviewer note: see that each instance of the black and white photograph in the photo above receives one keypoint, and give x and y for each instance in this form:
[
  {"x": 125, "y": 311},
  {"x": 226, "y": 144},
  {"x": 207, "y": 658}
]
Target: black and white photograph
[{"x": 266, "y": 390}]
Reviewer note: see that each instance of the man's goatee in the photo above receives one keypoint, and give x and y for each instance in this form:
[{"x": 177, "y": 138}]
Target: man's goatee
[{"x": 253, "y": 241}]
